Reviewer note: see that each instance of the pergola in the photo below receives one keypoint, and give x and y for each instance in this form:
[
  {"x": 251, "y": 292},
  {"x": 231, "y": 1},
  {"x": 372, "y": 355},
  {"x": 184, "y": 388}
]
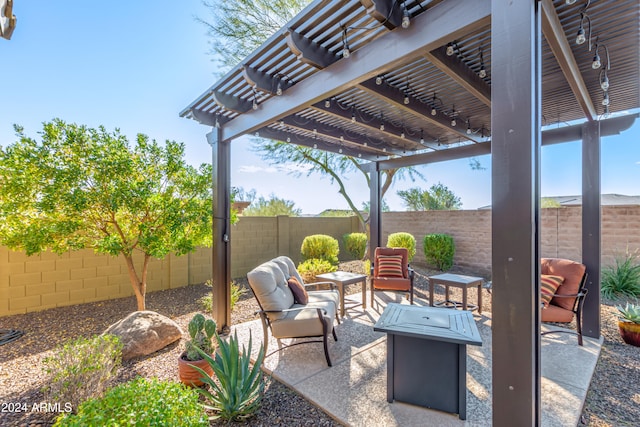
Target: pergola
[{"x": 399, "y": 83}]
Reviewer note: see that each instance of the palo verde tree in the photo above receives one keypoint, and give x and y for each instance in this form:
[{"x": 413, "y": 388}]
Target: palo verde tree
[
  {"x": 437, "y": 197},
  {"x": 88, "y": 188}
]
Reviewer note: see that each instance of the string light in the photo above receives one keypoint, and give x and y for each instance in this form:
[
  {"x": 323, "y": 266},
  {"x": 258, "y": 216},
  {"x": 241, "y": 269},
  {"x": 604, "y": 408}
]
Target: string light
[
  {"x": 406, "y": 19},
  {"x": 605, "y": 99},
  {"x": 581, "y": 37},
  {"x": 604, "y": 80},
  {"x": 483, "y": 73},
  {"x": 421, "y": 137},
  {"x": 406, "y": 99},
  {"x": 346, "y": 52},
  {"x": 452, "y": 48},
  {"x": 279, "y": 88},
  {"x": 315, "y": 146},
  {"x": 353, "y": 114},
  {"x": 327, "y": 103},
  {"x": 453, "y": 116},
  {"x": 379, "y": 80},
  {"x": 381, "y": 121}
]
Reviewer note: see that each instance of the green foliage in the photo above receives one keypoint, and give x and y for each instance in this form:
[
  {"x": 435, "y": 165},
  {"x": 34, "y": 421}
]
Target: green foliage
[
  {"x": 630, "y": 313},
  {"x": 238, "y": 27},
  {"x": 238, "y": 391},
  {"x": 141, "y": 402},
  {"x": 622, "y": 279},
  {"x": 547, "y": 202},
  {"x": 384, "y": 206},
  {"x": 355, "y": 244},
  {"x": 236, "y": 292},
  {"x": 88, "y": 188},
  {"x": 439, "y": 250},
  {"x": 272, "y": 207},
  {"x": 239, "y": 194},
  {"x": 366, "y": 267},
  {"x": 403, "y": 240},
  {"x": 201, "y": 331},
  {"x": 438, "y": 197},
  {"x": 336, "y": 213},
  {"x": 310, "y": 268},
  {"x": 320, "y": 246},
  {"x": 81, "y": 368}
]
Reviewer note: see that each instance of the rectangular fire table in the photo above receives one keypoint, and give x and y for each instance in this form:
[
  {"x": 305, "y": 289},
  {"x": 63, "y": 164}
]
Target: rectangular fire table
[{"x": 427, "y": 355}]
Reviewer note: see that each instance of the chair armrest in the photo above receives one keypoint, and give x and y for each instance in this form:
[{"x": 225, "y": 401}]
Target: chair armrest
[
  {"x": 411, "y": 271},
  {"x": 579, "y": 294},
  {"x": 287, "y": 310},
  {"x": 315, "y": 284}
]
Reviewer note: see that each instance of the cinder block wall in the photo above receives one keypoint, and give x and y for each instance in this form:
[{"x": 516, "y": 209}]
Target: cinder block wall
[{"x": 48, "y": 280}]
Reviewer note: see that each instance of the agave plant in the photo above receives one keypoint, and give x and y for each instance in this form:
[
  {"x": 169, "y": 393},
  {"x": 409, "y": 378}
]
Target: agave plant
[
  {"x": 239, "y": 388},
  {"x": 630, "y": 313}
]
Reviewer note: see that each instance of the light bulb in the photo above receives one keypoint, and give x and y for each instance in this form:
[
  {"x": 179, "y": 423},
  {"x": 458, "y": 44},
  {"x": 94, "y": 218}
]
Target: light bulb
[
  {"x": 468, "y": 130},
  {"x": 421, "y": 140},
  {"x": 315, "y": 132},
  {"x": 482, "y": 73},
  {"x": 346, "y": 52},
  {"x": 402, "y": 135},
  {"x": 255, "y": 104},
  {"x": 605, "y": 99},
  {"x": 450, "y": 50},
  {"x": 341, "y": 138},
  {"x": 406, "y": 99},
  {"x": 384, "y": 149},
  {"x": 379, "y": 80},
  {"x": 365, "y": 144},
  {"x": 433, "y": 111},
  {"x": 453, "y": 122},
  {"x": 381, "y": 126},
  {"x": 406, "y": 20},
  {"x": 353, "y": 118},
  {"x": 604, "y": 84},
  {"x": 596, "y": 61},
  {"x": 359, "y": 155},
  {"x": 315, "y": 145},
  {"x": 288, "y": 139},
  {"x": 570, "y": 1},
  {"x": 279, "y": 89},
  {"x": 581, "y": 38},
  {"x": 327, "y": 103},
  {"x": 340, "y": 151}
]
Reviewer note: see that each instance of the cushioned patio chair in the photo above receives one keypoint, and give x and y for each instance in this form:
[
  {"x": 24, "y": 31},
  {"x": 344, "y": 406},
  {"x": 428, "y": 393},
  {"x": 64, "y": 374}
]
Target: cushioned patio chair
[
  {"x": 563, "y": 292},
  {"x": 390, "y": 271},
  {"x": 288, "y": 310}
]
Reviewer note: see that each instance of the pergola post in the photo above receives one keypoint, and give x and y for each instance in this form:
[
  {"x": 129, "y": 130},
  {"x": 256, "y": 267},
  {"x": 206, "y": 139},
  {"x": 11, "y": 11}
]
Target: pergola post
[
  {"x": 515, "y": 154},
  {"x": 221, "y": 249},
  {"x": 375, "y": 217},
  {"x": 591, "y": 217}
]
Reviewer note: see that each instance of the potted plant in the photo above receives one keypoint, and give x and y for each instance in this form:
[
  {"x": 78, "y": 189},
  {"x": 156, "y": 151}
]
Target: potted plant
[
  {"x": 201, "y": 331},
  {"x": 629, "y": 323}
]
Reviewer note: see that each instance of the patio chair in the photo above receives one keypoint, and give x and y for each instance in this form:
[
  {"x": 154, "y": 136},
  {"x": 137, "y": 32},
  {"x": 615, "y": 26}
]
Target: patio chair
[
  {"x": 562, "y": 304},
  {"x": 390, "y": 271},
  {"x": 288, "y": 310}
]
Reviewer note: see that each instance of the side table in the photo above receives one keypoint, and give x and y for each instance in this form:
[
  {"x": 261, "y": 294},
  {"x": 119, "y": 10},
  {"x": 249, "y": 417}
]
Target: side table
[
  {"x": 342, "y": 278},
  {"x": 459, "y": 281}
]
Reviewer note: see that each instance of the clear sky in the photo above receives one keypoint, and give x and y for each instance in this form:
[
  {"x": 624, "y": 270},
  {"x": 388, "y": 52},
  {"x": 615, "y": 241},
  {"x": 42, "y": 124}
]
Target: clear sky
[{"x": 135, "y": 65}]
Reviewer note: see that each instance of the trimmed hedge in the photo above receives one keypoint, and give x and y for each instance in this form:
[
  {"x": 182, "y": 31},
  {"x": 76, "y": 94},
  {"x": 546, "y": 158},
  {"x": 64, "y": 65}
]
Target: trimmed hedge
[
  {"x": 403, "y": 240},
  {"x": 439, "y": 250},
  {"x": 320, "y": 246},
  {"x": 355, "y": 244}
]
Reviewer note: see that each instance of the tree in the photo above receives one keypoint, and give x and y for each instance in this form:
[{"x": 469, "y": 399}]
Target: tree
[
  {"x": 272, "y": 207},
  {"x": 438, "y": 197},
  {"x": 239, "y": 194},
  {"x": 238, "y": 27},
  {"x": 384, "y": 206},
  {"x": 86, "y": 188}
]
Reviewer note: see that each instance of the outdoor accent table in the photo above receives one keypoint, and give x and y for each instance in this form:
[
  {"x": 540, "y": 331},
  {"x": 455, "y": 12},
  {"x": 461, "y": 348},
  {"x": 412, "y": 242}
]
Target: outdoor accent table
[
  {"x": 342, "y": 278},
  {"x": 459, "y": 281},
  {"x": 427, "y": 355}
]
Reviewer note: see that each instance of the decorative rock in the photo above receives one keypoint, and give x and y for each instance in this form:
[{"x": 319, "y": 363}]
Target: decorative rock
[{"x": 143, "y": 332}]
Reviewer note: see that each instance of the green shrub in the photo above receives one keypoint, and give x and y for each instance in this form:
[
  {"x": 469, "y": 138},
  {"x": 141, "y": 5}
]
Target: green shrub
[
  {"x": 355, "y": 244},
  {"x": 206, "y": 302},
  {"x": 237, "y": 390},
  {"x": 439, "y": 250},
  {"x": 622, "y": 279},
  {"x": 403, "y": 240},
  {"x": 320, "y": 246},
  {"x": 141, "y": 402},
  {"x": 310, "y": 268},
  {"x": 81, "y": 368},
  {"x": 366, "y": 267}
]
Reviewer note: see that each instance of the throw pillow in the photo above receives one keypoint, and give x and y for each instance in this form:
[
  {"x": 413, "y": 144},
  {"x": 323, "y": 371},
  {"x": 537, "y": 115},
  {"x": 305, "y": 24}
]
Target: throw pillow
[
  {"x": 548, "y": 286},
  {"x": 300, "y": 295},
  {"x": 390, "y": 266}
]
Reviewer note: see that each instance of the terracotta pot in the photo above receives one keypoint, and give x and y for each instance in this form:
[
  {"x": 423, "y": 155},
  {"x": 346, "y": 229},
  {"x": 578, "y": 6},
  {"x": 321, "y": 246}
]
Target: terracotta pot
[
  {"x": 630, "y": 332},
  {"x": 190, "y": 376}
]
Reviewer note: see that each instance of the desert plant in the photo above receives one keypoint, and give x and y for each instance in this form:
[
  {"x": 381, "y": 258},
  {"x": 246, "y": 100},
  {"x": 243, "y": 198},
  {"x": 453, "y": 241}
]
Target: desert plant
[
  {"x": 630, "y": 313},
  {"x": 310, "y": 268},
  {"x": 320, "y": 246},
  {"x": 236, "y": 292},
  {"x": 355, "y": 244},
  {"x": 622, "y": 279},
  {"x": 237, "y": 391},
  {"x": 141, "y": 402},
  {"x": 403, "y": 240},
  {"x": 201, "y": 331},
  {"x": 439, "y": 250},
  {"x": 81, "y": 368}
]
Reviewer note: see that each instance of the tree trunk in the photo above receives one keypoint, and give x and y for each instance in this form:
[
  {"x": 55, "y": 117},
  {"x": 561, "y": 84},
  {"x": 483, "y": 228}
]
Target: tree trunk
[{"x": 139, "y": 286}]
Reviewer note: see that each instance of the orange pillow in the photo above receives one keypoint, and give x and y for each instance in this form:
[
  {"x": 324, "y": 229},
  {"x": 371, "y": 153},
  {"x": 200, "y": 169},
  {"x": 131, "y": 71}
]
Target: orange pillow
[
  {"x": 300, "y": 294},
  {"x": 390, "y": 266},
  {"x": 548, "y": 286}
]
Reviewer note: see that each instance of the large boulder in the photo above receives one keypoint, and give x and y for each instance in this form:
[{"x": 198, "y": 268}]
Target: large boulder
[{"x": 143, "y": 332}]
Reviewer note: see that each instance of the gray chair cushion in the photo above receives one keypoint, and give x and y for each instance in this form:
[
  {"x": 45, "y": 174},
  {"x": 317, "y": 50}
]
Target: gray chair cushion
[
  {"x": 288, "y": 267},
  {"x": 306, "y": 323},
  {"x": 270, "y": 287}
]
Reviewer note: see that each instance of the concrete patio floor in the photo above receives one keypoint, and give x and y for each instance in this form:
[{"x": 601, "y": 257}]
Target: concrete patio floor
[{"x": 353, "y": 391}]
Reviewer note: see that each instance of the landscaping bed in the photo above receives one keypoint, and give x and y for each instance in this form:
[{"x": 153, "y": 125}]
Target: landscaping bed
[{"x": 613, "y": 398}]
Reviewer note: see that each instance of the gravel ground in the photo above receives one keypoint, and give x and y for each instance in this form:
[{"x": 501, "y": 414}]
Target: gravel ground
[{"x": 613, "y": 398}]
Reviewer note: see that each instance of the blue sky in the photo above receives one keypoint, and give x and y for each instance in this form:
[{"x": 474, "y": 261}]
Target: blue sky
[{"x": 136, "y": 65}]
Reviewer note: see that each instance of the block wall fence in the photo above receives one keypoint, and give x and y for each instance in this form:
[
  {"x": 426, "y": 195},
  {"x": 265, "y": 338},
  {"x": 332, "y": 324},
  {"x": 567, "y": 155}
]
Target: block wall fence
[{"x": 47, "y": 280}]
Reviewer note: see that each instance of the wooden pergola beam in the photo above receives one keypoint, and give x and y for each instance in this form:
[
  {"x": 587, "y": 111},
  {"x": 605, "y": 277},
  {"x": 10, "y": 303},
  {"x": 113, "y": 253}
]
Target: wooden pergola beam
[{"x": 554, "y": 34}]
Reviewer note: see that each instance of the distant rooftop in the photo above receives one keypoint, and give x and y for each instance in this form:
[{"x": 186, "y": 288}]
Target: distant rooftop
[{"x": 605, "y": 200}]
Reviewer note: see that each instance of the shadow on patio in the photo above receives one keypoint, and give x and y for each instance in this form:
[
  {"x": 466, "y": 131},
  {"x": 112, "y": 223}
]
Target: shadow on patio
[{"x": 353, "y": 391}]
